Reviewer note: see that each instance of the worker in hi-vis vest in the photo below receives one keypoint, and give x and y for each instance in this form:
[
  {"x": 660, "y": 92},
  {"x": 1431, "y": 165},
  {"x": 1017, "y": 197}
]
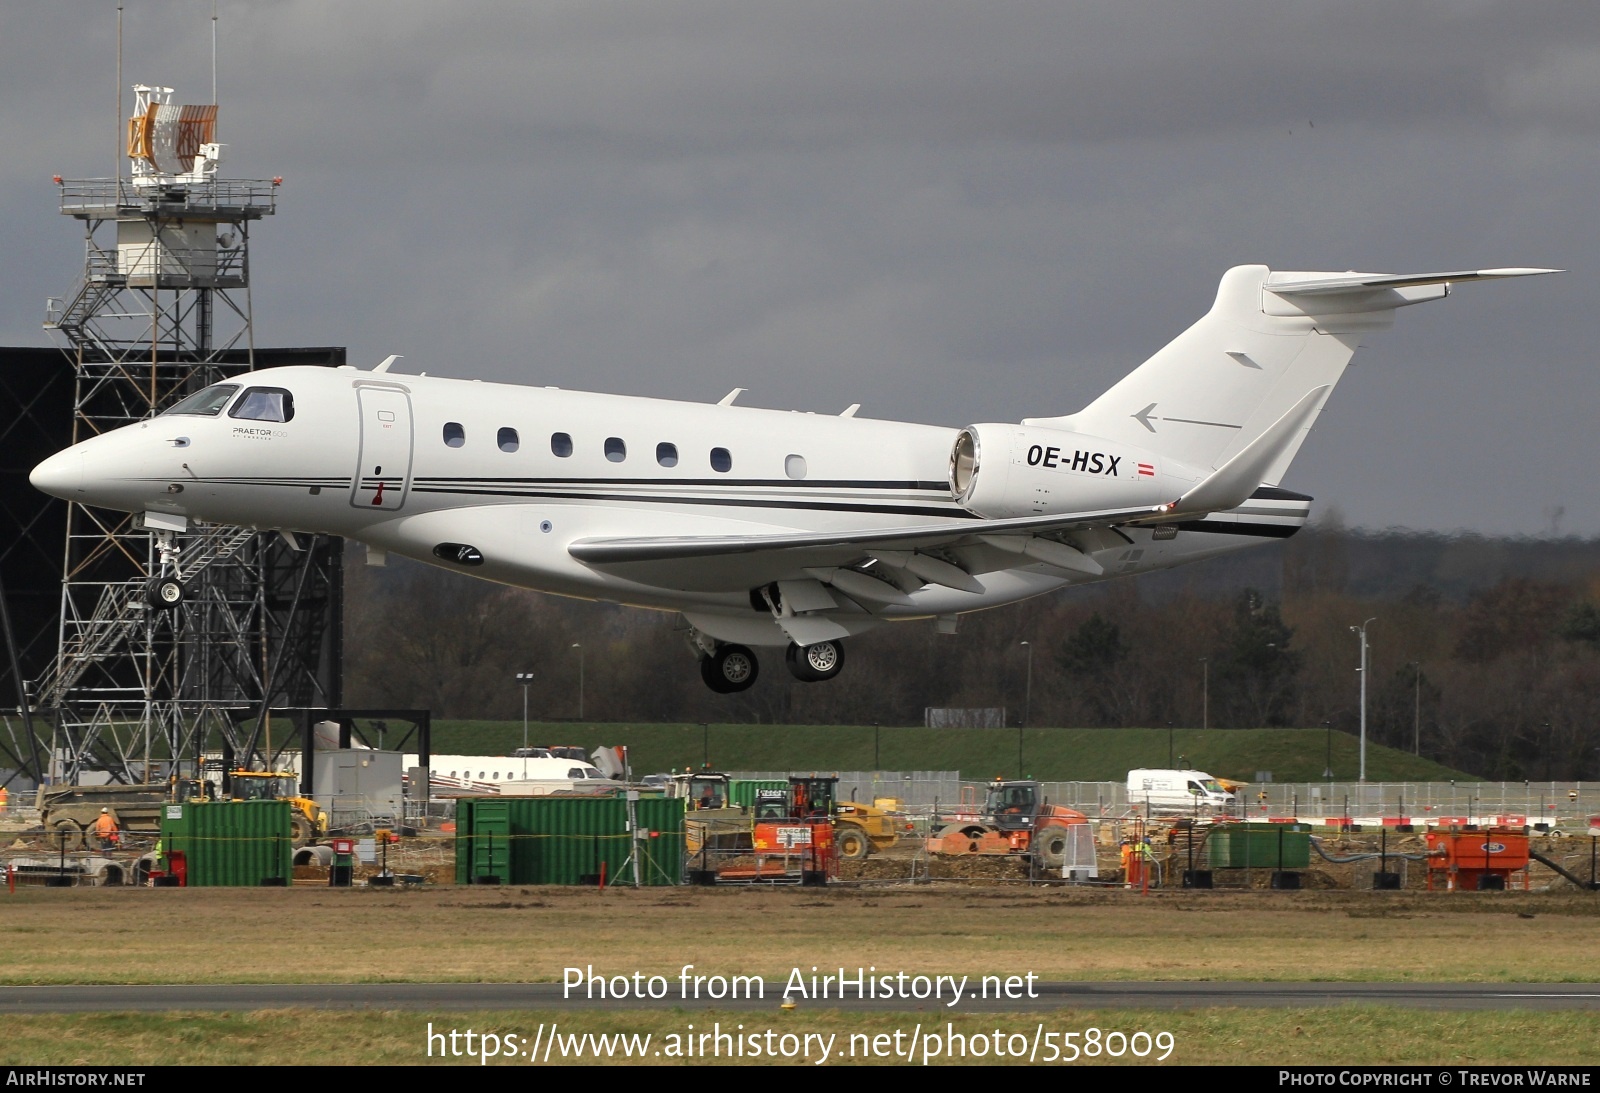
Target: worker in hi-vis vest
[{"x": 105, "y": 830}]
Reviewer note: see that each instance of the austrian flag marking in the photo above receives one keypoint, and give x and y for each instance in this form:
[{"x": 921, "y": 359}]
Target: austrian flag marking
[{"x": 1148, "y": 470}]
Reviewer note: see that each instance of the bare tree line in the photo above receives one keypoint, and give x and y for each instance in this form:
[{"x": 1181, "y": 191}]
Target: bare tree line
[{"x": 1485, "y": 654}]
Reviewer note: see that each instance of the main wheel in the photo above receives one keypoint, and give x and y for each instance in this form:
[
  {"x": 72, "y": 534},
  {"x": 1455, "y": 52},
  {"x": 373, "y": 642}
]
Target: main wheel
[
  {"x": 732, "y": 668},
  {"x": 165, "y": 593},
  {"x": 852, "y": 843},
  {"x": 1050, "y": 847},
  {"x": 815, "y": 663}
]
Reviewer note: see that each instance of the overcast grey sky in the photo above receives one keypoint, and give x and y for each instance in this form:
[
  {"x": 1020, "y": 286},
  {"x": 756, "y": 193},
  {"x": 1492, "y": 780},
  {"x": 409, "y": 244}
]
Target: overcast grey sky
[{"x": 949, "y": 212}]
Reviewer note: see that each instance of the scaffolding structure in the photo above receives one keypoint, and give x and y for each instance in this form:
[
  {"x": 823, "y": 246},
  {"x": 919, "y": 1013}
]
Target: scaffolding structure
[{"x": 140, "y": 688}]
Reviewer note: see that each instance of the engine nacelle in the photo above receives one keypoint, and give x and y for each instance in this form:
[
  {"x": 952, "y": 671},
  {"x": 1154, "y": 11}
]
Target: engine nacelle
[{"x": 999, "y": 471}]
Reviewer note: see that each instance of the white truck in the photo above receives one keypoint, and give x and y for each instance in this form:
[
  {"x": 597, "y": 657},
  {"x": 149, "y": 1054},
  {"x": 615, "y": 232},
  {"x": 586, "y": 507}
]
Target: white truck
[{"x": 1185, "y": 792}]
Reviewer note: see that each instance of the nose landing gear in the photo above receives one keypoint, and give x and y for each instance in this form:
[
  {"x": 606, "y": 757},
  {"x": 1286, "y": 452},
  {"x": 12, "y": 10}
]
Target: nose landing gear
[{"x": 165, "y": 591}]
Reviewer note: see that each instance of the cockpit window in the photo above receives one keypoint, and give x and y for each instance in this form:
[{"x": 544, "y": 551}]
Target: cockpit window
[
  {"x": 207, "y": 403},
  {"x": 264, "y": 404}
]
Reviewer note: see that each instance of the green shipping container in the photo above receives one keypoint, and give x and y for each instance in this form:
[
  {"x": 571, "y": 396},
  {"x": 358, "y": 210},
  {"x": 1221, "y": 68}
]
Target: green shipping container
[
  {"x": 231, "y": 843},
  {"x": 1259, "y": 846},
  {"x": 742, "y": 791},
  {"x": 567, "y": 840}
]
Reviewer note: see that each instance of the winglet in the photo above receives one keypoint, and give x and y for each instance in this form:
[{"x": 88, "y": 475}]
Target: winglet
[
  {"x": 727, "y": 400},
  {"x": 1231, "y": 484},
  {"x": 387, "y": 361}
]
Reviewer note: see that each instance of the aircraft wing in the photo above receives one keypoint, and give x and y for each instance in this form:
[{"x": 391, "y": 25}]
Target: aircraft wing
[{"x": 836, "y": 545}]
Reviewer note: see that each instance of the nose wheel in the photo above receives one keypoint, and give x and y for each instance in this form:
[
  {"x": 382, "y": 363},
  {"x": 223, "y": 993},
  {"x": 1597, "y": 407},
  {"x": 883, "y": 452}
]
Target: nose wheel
[
  {"x": 815, "y": 663},
  {"x": 729, "y": 669},
  {"x": 165, "y": 593}
]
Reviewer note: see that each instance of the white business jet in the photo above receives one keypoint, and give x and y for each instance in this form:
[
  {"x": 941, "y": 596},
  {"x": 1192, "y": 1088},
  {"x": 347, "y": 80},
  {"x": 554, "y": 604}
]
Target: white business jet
[{"x": 763, "y": 527}]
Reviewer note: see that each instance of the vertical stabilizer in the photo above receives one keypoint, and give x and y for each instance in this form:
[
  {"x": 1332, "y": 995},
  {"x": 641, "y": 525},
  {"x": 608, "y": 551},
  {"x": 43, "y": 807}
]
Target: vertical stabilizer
[{"x": 1269, "y": 341}]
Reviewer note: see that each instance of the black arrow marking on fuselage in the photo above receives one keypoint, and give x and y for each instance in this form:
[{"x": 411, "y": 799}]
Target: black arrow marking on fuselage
[{"x": 1143, "y": 417}]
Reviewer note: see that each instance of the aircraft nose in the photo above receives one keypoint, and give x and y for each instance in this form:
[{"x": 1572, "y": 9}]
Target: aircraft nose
[{"x": 61, "y": 475}]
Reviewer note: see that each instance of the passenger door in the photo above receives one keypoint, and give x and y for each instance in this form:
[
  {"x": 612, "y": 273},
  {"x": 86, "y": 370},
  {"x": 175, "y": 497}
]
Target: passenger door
[{"x": 383, "y": 472}]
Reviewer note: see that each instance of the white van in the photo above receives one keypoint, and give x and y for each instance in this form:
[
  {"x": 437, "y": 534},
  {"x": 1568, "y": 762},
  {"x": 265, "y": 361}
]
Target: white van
[{"x": 1182, "y": 791}]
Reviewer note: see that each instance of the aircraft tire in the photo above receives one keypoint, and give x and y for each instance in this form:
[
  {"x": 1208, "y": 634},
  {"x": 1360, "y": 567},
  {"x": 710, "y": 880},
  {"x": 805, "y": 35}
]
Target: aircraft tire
[
  {"x": 815, "y": 663},
  {"x": 732, "y": 668},
  {"x": 165, "y": 593}
]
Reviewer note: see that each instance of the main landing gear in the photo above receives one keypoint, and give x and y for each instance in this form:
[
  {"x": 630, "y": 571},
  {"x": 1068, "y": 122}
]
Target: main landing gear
[
  {"x": 729, "y": 668},
  {"x": 815, "y": 663}
]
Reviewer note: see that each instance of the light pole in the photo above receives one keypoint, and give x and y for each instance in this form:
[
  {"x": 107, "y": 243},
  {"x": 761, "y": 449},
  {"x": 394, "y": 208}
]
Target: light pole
[
  {"x": 525, "y": 678},
  {"x": 1205, "y": 692},
  {"x": 1416, "y": 712},
  {"x": 1027, "y": 705},
  {"x": 1361, "y": 776},
  {"x": 1027, "y": 689},
  {"x": 579, "y": 647},
  {"x": 1327, "y": 767}
]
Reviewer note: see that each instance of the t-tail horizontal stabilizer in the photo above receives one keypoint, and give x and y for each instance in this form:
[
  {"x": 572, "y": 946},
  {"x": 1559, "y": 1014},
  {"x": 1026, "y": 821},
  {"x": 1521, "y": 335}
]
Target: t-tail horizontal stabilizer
[{"x": 1230, "y": 485}]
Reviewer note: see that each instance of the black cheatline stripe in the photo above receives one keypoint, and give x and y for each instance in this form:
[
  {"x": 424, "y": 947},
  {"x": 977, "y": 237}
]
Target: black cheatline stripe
[
  {"x": 764, "y": 483},
  {"x": 737, "y": 502},
  {"x": 257, "y": 481},
  {"x": 1219, "y": 527},
  {"x": 1273, "y": 493}
]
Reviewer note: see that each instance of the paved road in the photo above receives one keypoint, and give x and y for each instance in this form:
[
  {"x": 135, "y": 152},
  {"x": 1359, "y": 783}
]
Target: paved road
[{"x": 548, "y": 996}]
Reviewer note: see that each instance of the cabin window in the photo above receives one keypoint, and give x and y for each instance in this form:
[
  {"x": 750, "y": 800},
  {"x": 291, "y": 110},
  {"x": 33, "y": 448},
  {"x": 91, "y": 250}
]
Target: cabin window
[
  {"x": 721, "y": 460},
  {"x": 264, "y": 404},
  {"x": 795, "y": 466},
  {"x": 454, "y": 435},
  {"x": 207, "y": 403},
  {"x": 667, "y": 454},
  {"x": 575, "y": 772},
  {"x": 507, "y": 439},
  {"x": 616, "y": 450},
  {"x": 560, "y": 445}
]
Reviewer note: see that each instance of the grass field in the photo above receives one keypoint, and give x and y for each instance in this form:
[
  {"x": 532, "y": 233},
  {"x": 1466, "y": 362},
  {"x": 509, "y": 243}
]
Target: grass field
[
  {"x": 1051, "y": 754},
  {"x": 531, "y": 934}
]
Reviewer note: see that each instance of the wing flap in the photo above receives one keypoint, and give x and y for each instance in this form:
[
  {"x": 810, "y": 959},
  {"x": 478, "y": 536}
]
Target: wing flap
[{"x": 844, "y": 544}]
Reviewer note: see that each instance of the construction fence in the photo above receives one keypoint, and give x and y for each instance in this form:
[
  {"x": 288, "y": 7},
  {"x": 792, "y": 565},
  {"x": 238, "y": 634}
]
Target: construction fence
[{"x": 1563, "y": 806}]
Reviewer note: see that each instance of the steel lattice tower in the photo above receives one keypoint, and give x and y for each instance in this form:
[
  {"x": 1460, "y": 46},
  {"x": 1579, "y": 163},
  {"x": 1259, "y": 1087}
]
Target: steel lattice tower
[{"x": 162, "y": 311}]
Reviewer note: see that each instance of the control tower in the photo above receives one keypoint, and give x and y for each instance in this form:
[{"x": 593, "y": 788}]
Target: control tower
[{"x": 173, "y": 636}]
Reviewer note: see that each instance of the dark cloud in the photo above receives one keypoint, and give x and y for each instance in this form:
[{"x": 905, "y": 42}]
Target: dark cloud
[{"x": 946, "y": 211}]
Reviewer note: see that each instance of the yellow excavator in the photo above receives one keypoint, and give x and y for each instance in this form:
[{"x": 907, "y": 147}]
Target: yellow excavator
[{"x": 307, "y": 820}]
